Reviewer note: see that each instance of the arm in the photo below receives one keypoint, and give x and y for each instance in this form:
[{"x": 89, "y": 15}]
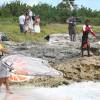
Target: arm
[
  {"x": 92, "y": 32},
  {"x": 68, "y": 21}
]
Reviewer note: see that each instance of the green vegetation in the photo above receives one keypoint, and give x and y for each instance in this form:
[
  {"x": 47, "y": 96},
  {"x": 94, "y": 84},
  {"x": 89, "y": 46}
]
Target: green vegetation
[
  {"x": 49, "y": 15},
  {"x": 12, "y": 31}
]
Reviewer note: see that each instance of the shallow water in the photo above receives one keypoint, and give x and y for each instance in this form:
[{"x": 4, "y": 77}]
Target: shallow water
[{"x": 76, "y": 91}]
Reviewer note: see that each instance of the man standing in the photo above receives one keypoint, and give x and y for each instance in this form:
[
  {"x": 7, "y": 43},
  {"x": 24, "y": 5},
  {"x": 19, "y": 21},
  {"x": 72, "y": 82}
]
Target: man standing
[
  {"x": 22, "y": 22},
  {"x": 85, "y": 40},
  {"x": 71, "y": 28}
]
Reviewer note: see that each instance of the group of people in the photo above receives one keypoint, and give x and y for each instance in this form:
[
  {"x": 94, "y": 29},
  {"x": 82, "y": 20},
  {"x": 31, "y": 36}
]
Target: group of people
[
  {"x": 85, "y": 30},
  {"x": 29, "y": 23}
]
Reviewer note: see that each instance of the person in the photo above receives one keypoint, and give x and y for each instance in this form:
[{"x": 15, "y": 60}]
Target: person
[
  {"x": 85, "y": 40},
  {"x": 27, "y": 20},
  {"x": 71, "y": 28},
  {"x": 4, "y": 73},
  {"x": 31, "y": 29},
  {"x": 22, "y": 22},
  {"x": 2, "y": 49},
  {"x": 30, "y": 13},
  {"x": 4, "y": 78},
  {"x": 37, "y": 24}
]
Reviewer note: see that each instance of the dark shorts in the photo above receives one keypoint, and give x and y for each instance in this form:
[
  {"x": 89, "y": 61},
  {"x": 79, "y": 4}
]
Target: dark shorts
[
  {"x": 21, "y": 28},
  {"x": 85, "y": 42},
  {"x": 72, "y": 31}
]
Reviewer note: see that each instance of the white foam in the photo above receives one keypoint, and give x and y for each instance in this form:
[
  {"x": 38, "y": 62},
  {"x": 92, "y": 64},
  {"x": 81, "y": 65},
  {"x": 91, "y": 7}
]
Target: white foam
[{"x": 76, "y": 91}]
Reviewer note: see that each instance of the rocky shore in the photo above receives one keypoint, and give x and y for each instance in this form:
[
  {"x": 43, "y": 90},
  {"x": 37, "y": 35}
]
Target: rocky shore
[{"x": 64, "y": 56}]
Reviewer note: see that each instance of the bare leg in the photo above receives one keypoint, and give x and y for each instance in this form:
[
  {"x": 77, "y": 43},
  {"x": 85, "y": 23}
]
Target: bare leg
[
  {"x": 82, "y": 51},
  {"x": 6, "y": 83},
  {"x": 74, "y": 37},
  {"x": 88, "y": 50},
  {"x": 25, "y": 32},
  {"x": 71, "y": 37},
  {"x": 2, "y": 53}
]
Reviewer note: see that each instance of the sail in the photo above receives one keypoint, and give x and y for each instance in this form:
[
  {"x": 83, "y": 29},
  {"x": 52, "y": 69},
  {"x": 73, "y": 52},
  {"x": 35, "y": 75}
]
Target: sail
[{"x": 28, "y": 66}]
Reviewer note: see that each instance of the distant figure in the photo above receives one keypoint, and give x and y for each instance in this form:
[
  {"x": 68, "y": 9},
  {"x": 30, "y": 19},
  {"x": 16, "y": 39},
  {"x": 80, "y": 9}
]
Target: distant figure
[
  {"x": 2, "y": 49},
  {"x": 27, "y": 20},
  {"x": 30, "y": 13},
  {"x": 37, "y": 24},
  {"x": 71, "y": 28},
  {"x": 22, "y": 22},
  {"x": 4, "y": 72},
  {"x": 85, "y": 41},
  {"x": 31, "y": 29}
]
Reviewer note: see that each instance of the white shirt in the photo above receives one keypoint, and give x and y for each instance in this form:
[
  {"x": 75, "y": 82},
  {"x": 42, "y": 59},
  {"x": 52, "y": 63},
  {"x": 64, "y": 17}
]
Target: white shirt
[{"x": 21, "y": 19}]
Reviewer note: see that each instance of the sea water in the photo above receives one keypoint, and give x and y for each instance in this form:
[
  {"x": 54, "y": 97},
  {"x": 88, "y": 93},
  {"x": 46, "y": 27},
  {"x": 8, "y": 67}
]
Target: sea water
[{"x": 75, "y": 91}]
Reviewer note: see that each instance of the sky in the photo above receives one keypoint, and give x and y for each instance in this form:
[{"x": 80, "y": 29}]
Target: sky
[{"x": 93, "y": 4}]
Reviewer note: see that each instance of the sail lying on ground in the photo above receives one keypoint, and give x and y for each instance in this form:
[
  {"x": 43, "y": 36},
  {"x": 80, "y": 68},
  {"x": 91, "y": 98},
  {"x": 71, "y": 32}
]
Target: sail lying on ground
[{"x": 28, "y": 67}]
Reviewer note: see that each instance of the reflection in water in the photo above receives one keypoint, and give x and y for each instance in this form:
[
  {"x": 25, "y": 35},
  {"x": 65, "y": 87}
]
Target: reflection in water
[{"x": 76, "y": 91}]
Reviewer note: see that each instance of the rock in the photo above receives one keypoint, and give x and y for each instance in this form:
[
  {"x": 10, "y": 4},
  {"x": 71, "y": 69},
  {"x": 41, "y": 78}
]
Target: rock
[
  {"x": 86, "y": 68},
  {"x": 58, "y": 38},
  {"x": 3, "y": 37},
  {"x": 63, "y": 56},
  {"x": 95, "y": 47},
  {"x": 51, "y": 52},
  {"x": 54, "y": 52},
  {"x": 58, "y": 48}
]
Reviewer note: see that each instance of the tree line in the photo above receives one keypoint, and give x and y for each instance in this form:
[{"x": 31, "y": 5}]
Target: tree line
[{"x": 49, "y": 13}]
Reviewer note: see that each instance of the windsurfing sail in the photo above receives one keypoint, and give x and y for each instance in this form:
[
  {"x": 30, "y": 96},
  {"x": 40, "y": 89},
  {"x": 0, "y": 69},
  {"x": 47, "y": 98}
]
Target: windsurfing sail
[
  {"x": 71, "y": 7},
  {"x": 28, "y": 66}
]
